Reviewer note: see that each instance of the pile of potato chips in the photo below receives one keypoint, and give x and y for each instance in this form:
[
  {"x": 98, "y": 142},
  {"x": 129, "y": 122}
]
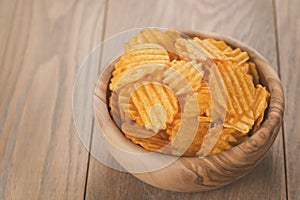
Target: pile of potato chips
[{"x": 163, "y": 88}]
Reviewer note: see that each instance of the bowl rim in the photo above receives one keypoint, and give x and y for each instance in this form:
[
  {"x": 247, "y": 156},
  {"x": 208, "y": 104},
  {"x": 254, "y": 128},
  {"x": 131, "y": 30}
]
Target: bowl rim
[{"x": 261, "y": 141}]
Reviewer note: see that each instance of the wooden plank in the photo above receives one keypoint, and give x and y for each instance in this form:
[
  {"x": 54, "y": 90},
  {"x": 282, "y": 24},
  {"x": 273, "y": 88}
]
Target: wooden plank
[
  {"x": 41, "y": 156},
  {"x": 7, "y": 10},
  {"x": 288, "y": 22},
  {"x": 249, "y": 21}
]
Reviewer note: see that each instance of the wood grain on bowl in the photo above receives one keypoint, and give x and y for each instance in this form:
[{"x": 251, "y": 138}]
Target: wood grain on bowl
[{"x": 201, "y": 174}]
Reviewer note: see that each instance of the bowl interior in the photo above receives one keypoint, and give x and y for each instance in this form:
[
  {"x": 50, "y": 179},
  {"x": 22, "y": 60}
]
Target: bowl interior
[{"x": 197, "y": 174}]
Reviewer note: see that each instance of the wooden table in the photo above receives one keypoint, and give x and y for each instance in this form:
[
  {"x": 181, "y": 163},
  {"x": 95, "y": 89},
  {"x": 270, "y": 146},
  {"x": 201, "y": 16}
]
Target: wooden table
[{"x": 42, "y": 44}]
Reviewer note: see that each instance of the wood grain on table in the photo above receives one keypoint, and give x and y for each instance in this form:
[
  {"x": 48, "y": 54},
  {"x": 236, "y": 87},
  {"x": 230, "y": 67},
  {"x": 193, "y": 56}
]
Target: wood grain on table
[
  {"x": 42, "y": 46},
  {"x": 288, "y": 25},
  {"x": 44, "y": 42}
]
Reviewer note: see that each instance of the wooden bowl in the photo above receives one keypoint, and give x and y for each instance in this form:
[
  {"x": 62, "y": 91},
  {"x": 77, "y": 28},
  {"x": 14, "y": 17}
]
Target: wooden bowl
[{"x": 189, "y": 174}]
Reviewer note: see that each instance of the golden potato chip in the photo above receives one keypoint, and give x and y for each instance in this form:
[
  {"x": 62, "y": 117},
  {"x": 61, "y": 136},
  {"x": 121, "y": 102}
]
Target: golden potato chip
[
  {"x": 254, "y": 73},
  {"x": 155, "y": 142},
  {"x": 204, "y": 99},
  {"x": 173, "y": 127},
  {"x": 204, "y": 119},
  {"x": 114, "y": 109},
  {"x": 219, "y": 44},
  {"x": 183, "y": 77},
  {"x": 212, "y": 51},
  {"x": 239, "y": 97},
  {"x": 261, "y": 103},
  {"x": 123, "y": 103},
  {"x": 165, "y": 39},
  {"x": 154, "y": 105},
  {"x": 137, "y": 63},
  {"x": 186, "y": 133},
  {"x": 228, "y": 137},
  {"x": 250, "y": 68},
  {"x": 195, "y": 147},
  {"x": 191, "y": 108},
  {"x": 190, "y": 49},
  {"x": 245, "y": 67},
  {"x": 235, "y": 55},
  {"x": 238, "y": 56},
  {"x": 178, "y": 130}
]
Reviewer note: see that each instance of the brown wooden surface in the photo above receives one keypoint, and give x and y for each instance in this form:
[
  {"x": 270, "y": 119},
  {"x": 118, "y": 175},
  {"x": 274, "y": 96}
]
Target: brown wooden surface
[
  {"x": 288, "y": 24},
  {"x": 42, "y": 44}
]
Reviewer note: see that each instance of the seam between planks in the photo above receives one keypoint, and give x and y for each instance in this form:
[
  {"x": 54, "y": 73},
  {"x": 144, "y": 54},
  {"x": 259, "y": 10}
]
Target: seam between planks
[
  {"x": 104, "y": 22},
  {"x": 275, "y": 21}
]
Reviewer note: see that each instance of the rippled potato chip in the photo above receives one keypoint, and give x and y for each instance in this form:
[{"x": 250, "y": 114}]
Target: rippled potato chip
[
  {"x": 212, "y": 51},
  {"x": 190, "y": 49},
  {"x": 155, "y": 142},
  {"x": 221, "y": 45},
  {"x": 260, "y": 105},
  {"x": 239, "y": 97},
  {"x": 254, "y": 73},
  {"x": 204, "y": 99},
  {"x": 228, "y": 138},
  {"x": 114, "y": 109},
  {"x": 192, "y": 147},
  {"x": 165, "y": 39},
  {"x": 195, "y": 146},
  {"x": 153, "y": 105},
  {"x": 225, "y": 52},
  {"x": 143, "y": 60},
  {"x": 183, "y": 77}
]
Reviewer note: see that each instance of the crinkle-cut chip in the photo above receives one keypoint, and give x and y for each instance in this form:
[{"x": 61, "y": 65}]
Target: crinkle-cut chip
[
  {"x": 191, "y": 108},
  {"x": 250, "y": 68},
  {"x": 245, "y": 67},
  {"x": 183, "y": 77},
  {"x": 137, "y": 63},
  {"x": 180, "y": 149},
  {"x": 219, "y": 44},
  {"x": 227, "y": 139},
  {"x": 114, "y": 109},
  {"x": 165, "y": 39},
  {"x": 137, "y": 73},
  {"x": 253, "y": 72},
  {"x": 204, "y": 119},
  {"x": 239, "y": 91},
  {"x": 156, "y": 76},
  {"x": 236, "y": 55},
  {"x": 156, "y": 142},
  {"x": 174, "y": 126},
  {"x": 183, "y": 130},
  {"x": 212, "y": 51},
  {"x": 190, "y": 49},
  {"x": 123, "y": 103},
  {"x": 261, "y": 103},
  {"x": 154, "y": 104},
  {"x": 195, "y": 147},
  {"x": 204, "y": 99}
]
